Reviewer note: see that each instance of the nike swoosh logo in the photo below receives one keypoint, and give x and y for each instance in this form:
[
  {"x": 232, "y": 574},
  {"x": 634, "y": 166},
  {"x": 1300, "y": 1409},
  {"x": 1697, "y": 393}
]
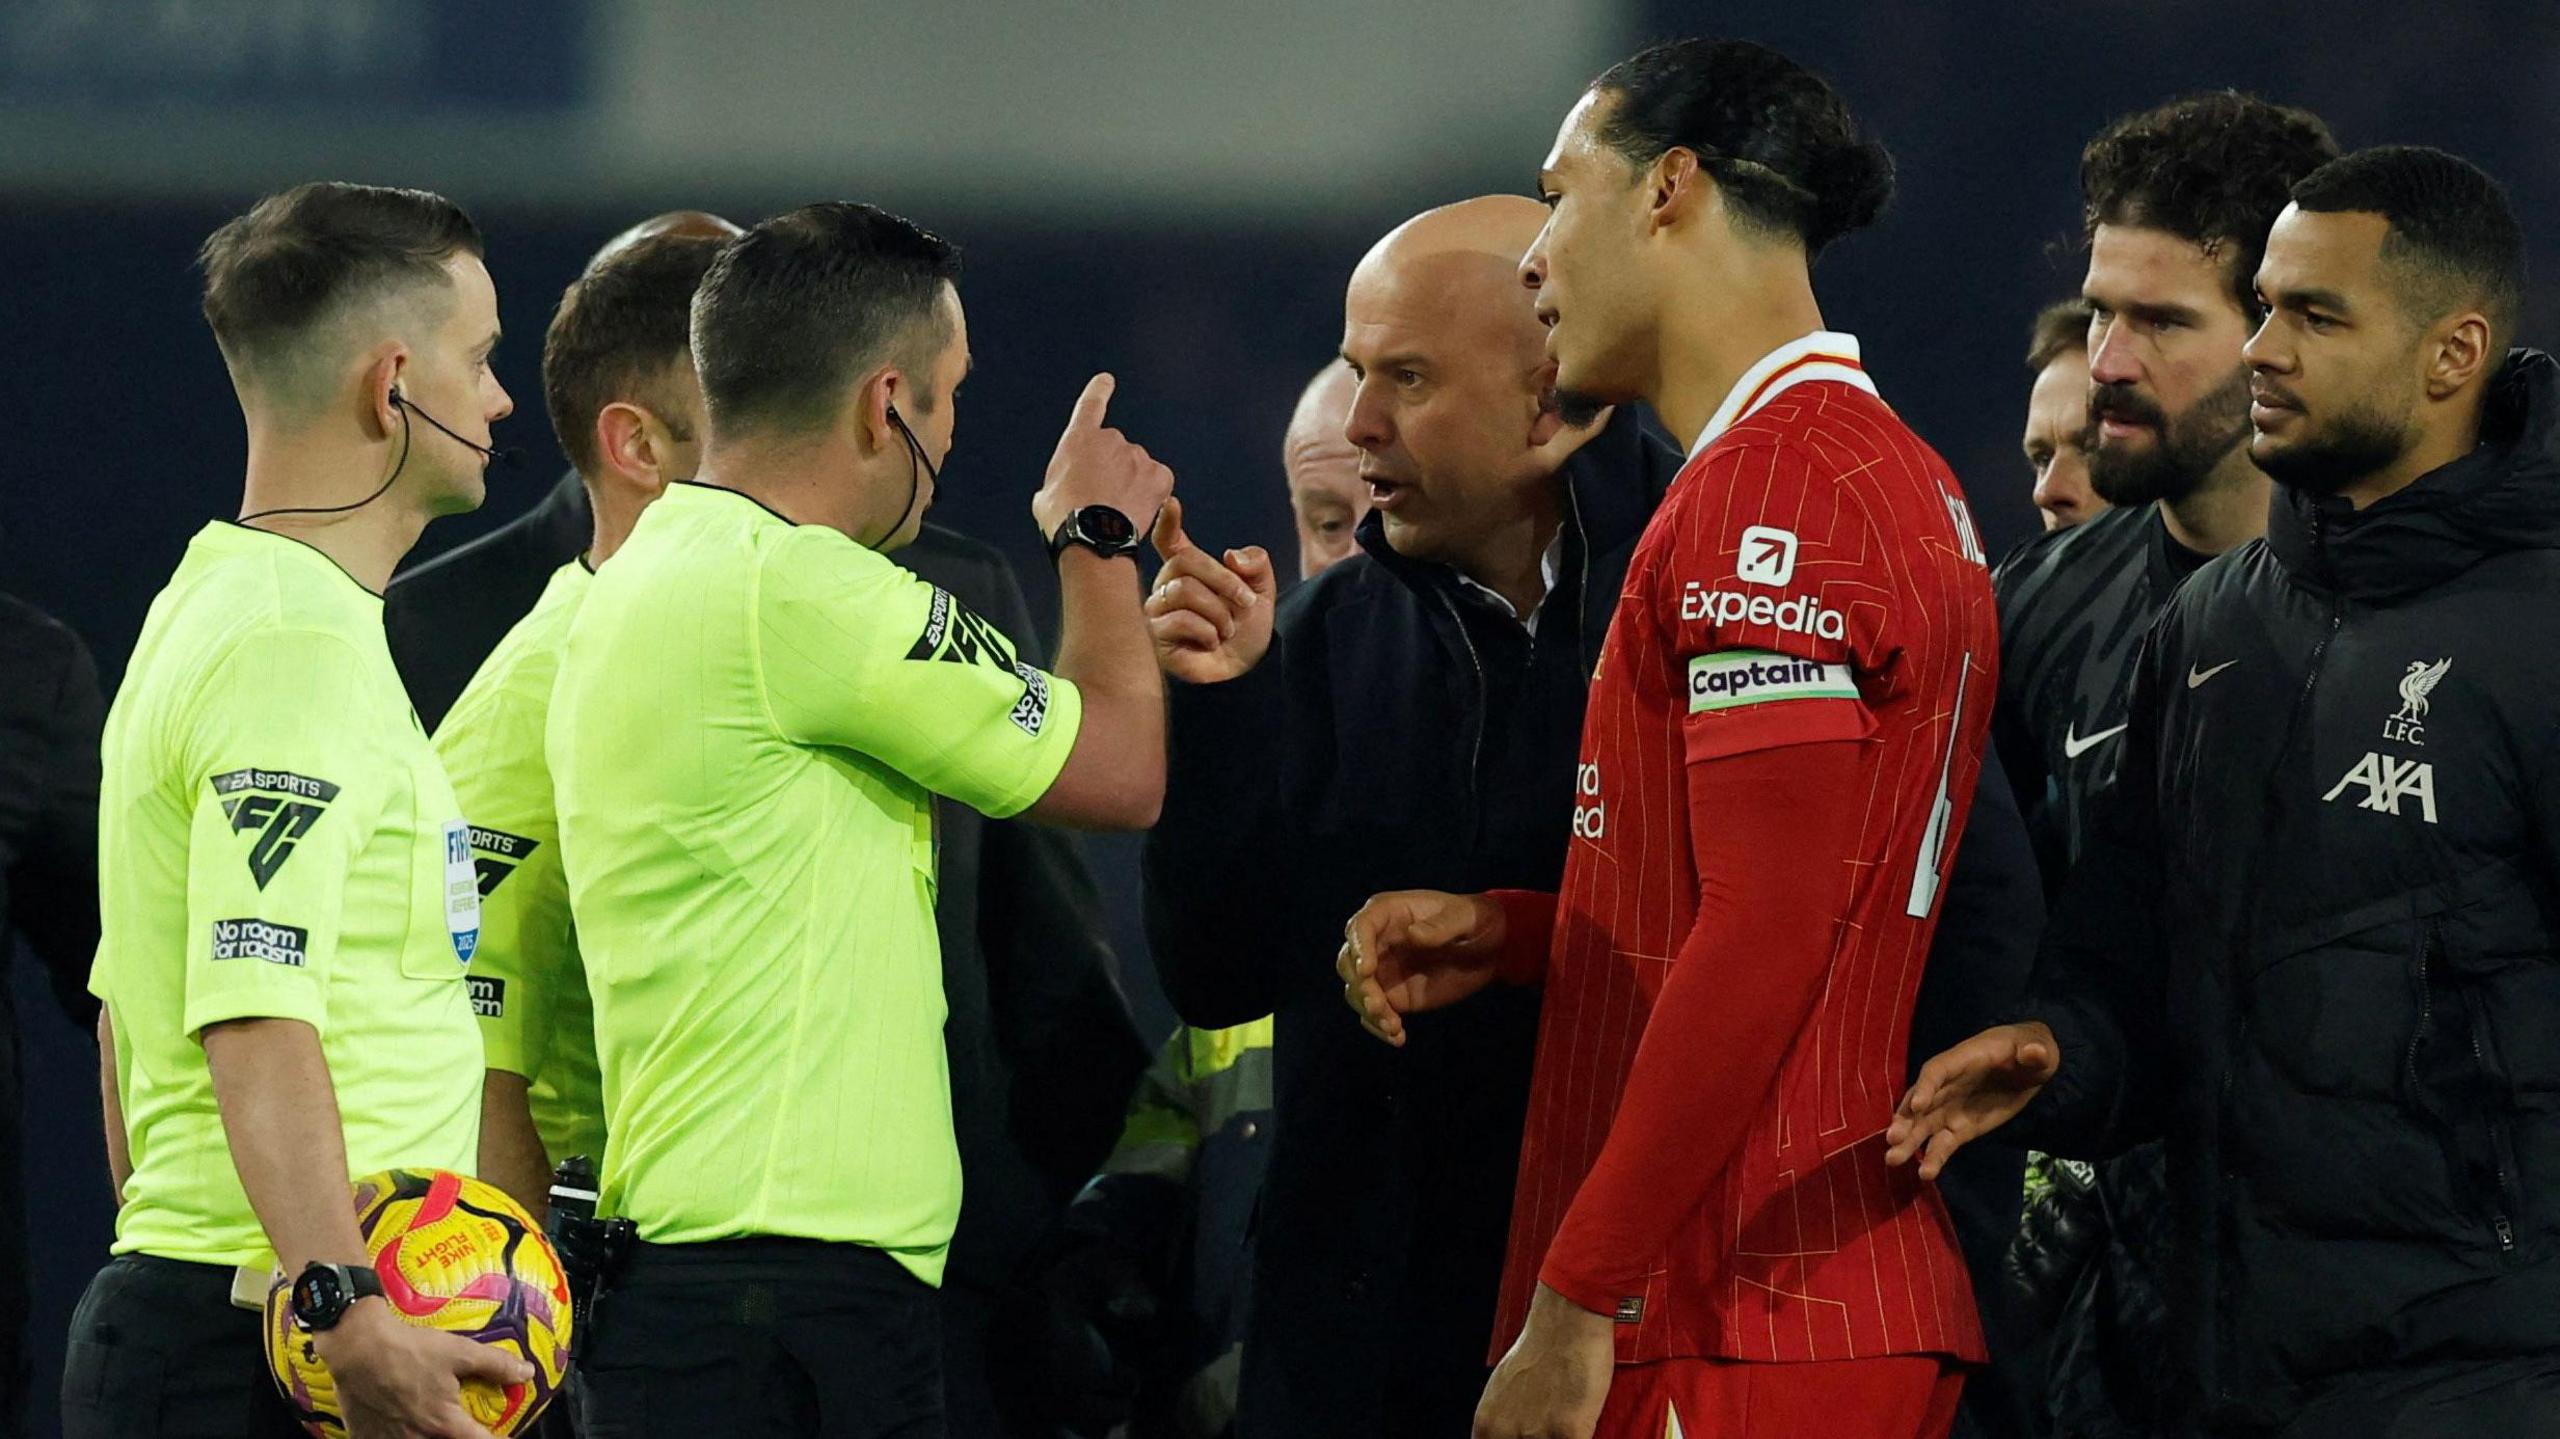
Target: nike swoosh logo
[
  {"x": 2197, "y": 677},
  {"x": 2073, "y": 746}
]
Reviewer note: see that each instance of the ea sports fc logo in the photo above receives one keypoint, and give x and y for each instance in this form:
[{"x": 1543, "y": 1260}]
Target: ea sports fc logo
[{"x": 277, "y": 805}]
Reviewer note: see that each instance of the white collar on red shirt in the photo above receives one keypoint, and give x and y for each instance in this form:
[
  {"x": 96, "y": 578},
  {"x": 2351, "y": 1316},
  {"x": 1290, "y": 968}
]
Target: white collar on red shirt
[{"x": 1822, "y": 355}]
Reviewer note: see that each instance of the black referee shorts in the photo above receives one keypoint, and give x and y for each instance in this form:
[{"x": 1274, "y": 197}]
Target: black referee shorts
[
  {"x": 158, "y": 1351},
  {"x": 763, "y": 1337}
]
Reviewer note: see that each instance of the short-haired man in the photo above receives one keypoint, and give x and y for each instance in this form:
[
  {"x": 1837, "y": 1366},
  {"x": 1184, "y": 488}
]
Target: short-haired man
[
  {"x": 618, "y": 382},
  {"x": 1777, "y": 761},
  {"x": 446, "y": 612},
  {"x": 1327, "y": 497},
  {"x": 1044, "y": 1051},
  {"x": 2176, "y": 201},
  {"x": 2310, "y": 942},
  {"x": 753, "y": 715},
  {"x": 1406, "y": 717},
  {"x": 2057, "y": 438},
  {"x": 288, "y": 903}
]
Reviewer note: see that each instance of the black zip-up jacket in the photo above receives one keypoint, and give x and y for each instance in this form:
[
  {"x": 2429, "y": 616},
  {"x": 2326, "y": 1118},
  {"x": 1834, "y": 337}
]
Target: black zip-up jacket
[
  {"x": 1401, "y": 733},
  {"x": 2074, "y": 606},
  {"x": 2312, "y": 942}
]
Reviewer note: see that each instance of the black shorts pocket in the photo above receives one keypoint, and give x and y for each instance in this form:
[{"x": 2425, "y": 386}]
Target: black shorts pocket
[{"x": 111, "y": 1391}]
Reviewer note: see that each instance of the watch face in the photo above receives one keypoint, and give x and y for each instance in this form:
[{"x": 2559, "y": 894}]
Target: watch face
[
  {"x": 318, "y": 1297},
  {"x": 1101, "y": 522}
]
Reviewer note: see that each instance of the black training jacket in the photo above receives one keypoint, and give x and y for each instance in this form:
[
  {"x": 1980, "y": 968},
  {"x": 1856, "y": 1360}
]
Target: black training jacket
[
  {"x": 2074, "y": 606},
  {"x": 2312, "y": 939},
  {"x": 1401, "y": 733}
]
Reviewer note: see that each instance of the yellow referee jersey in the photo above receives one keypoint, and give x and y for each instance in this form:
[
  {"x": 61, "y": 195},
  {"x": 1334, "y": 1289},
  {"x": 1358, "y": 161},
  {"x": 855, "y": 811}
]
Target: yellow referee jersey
[
  {"x": 750, "y": 724},
  {"x": 276, "y": 840},
  {"x": 527, "y": 983}
]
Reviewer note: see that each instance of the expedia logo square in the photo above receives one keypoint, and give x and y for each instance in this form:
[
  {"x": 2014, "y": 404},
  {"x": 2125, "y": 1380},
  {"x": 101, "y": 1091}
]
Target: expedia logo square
[
  {"x": 279, "y": 806},
  {"x": 488, "y": 995},
  {"x": 1768, "y": 556},
  {"x": 259, "y": 939}
]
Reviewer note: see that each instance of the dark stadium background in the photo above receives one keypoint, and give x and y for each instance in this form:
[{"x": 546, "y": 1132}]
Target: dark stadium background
[{"x": 1211, "y": 300}]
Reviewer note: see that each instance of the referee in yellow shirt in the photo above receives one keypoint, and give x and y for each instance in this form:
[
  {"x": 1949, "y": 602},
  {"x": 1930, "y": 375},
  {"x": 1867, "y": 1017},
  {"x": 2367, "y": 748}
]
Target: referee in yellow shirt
[
  {"x": 752, "y": 717},
  {"x": 286, "y": 895},
  {"x": 618, "y": 381}
]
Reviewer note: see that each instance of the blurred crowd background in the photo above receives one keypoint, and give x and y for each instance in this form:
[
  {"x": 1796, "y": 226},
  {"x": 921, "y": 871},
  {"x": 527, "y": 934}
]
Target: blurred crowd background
[{"x": 1174, "y": 190}]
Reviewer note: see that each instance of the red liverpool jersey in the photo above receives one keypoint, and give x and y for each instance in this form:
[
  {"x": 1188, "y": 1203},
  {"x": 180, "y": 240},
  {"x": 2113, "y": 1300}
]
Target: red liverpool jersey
[{"x": 1810, "y": 610}]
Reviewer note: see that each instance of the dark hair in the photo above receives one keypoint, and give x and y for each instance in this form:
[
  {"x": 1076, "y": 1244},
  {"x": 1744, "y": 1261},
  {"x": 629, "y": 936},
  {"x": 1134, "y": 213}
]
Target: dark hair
[
  {"x": 793, "y": 308},
  {"x": 618, "y": 329},
  {"x": 2214, "y": 170},
  {"x": 300, "y": 255},
  {"x": 2454, "y": 238},
  {"x": 2061, "y": 328},
  {"x": 1777, "y": 138}
]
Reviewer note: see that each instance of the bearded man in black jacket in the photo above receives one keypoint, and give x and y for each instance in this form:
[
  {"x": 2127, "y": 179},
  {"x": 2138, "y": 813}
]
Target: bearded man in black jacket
[{"x": 2313, "y": 941}]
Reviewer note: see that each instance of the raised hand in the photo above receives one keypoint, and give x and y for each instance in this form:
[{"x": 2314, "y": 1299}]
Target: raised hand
[
  {"x": 1415, "y": 949},
  {"x": 1210, "y": 617},
  {"x": 1969, "y": 1091},
  {"x": 1097, "y": 465}
]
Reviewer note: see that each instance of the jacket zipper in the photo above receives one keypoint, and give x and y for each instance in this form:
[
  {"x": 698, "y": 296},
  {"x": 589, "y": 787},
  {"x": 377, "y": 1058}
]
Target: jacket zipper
[
  {"x": 1582, "y": 587},
  {"x": 2426, "y": 1011},
  {"x": 1475, "y": 756},
  {"x": 2239, "y": 1024},
  {"x": 2498, "y": 1218}
]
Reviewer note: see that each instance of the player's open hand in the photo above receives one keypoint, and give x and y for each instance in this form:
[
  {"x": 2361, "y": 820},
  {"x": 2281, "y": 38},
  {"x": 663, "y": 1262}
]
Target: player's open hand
[
  {"x": 1210, "y": 616},
  {"x": 1097, "y": 465},
  {"x": 1555, "y": 1381},
  {"x": 1969, "y": 1091},
  {"x": 1415, "y": 949},
  {"x": 397, "y": 1381}
]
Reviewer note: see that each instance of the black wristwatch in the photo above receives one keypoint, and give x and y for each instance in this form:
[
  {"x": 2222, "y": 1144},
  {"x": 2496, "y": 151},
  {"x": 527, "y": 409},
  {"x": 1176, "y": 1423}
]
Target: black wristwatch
[
  {"x": 323, "y": 1293},
  {"x": 1098, "y": 528}
]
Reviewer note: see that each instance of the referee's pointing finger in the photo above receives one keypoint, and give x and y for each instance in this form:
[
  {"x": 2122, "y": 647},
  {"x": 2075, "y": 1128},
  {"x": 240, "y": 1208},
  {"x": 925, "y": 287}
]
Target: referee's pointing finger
[{"x": 1092, "y": 403}]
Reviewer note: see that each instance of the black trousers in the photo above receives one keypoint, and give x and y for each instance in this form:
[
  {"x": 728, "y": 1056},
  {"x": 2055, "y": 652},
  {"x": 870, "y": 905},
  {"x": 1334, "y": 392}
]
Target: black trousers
[
  {"x": 764, "y": 1337},
  {"x": 158, "y": 1351}
]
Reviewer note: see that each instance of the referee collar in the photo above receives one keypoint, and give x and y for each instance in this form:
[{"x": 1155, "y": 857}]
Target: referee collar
[{"x": 1822, "y": 355}]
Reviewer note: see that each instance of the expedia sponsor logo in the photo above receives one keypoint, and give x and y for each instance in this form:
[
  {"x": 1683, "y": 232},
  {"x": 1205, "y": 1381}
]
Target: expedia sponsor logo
[
  {"x": 1767, "y": 556},
  {"x": 279, "y": 806},
  {"x": 259, "y": 939},
  {"x": 495, "y": 855},
  {"x": 488, "y": 995},
  {"x": 1590, "y": 811},
  {"x": 1796, "y": 614},
  {"x": 1741, "y": 677}
]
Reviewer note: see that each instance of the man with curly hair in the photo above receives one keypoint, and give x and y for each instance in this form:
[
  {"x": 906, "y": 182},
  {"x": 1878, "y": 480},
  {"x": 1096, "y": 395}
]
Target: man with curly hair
[{"x": 2176, "y": 204}]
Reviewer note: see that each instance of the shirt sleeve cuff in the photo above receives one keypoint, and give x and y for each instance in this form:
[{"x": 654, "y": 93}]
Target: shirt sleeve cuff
[
  {"x": 274, "y": 1003},
  {"x": 1585, "y": 1291},
  {"x": 1528, "y": 929}
]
